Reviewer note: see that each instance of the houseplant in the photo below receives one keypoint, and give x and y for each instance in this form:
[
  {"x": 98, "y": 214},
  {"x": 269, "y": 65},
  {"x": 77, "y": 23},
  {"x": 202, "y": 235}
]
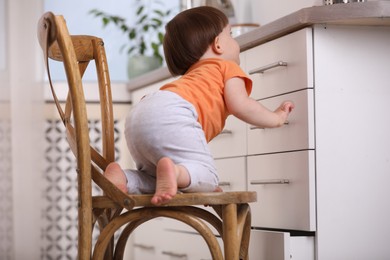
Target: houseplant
[{"x": 145, "y": 35}]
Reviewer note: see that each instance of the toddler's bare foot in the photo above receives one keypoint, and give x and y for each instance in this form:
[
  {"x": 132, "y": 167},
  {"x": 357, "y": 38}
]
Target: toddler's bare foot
[
  {"x": 218, "y": 189},
  {"x": 166, "y": 183},
  {"x": 115, "y": 174}
]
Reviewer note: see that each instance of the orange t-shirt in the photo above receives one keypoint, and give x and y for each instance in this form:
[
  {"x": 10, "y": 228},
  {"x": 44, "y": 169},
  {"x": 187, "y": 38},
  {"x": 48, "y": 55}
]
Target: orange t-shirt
[{"x": 203, "y": 86}]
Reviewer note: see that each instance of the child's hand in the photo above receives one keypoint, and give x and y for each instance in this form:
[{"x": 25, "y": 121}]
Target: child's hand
[
  {"x": 284, "y": 110},
  {"x": 287, "y": 106}
]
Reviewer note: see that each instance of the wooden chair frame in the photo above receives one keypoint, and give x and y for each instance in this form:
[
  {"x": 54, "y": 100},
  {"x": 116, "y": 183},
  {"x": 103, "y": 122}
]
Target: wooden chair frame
[{"x": 115, "y": 209}]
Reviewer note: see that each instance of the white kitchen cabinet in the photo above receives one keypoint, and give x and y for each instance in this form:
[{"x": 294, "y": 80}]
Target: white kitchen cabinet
[
  {"x": 138, "y": 94},
  {"x": 352, "y": 90},
  {"x": 296, "y": 134},
  {"x": 232, "y": 173},
  {"x": 322, "y": 179},
  {"x": 282, "y": 65},
  {"x": 285, "y": 186},
  {"x": 232, "y": 141},
  {"x": 184, "y": 244},
  {"x": 281, "y": 161},
  {"x": 344, "y": 131},
  {"x": 168, "y": 239},
  {"x": 267, "y": 245},
  {"x": 146, "y": 243}
]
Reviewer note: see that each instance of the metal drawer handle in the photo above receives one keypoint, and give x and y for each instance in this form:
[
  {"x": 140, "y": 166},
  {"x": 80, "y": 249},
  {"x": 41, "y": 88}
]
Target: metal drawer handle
[
  {"x": 226, "y": 132},
  {"x": 144, "y": 246},
  {"x": 272, "y": 181},
  {"x": 268, "y": 67},
  {"x": 252, "y": 127},
  {"x": 174, "y": 254},
  {"x": 224, "y": 183}
]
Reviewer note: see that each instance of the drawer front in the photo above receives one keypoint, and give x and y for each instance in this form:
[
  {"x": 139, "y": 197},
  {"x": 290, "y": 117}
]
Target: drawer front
[
  {"x": 266, "y": 245},
  {"x": 185, "y": 246},
  {"x": 145, "y": 246},
  {"x": 232, "y": 141},
  {"x": 285, "y": 186},
  {"x": 298, "y": 134},
  {"x": 232, "y": 173},
  {"x": 295, "y": 51},
  {"x": 171, "y": 239}
]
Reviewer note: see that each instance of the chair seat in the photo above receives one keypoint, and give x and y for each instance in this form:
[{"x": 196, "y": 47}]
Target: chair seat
[{"x": 182, "y": 199}]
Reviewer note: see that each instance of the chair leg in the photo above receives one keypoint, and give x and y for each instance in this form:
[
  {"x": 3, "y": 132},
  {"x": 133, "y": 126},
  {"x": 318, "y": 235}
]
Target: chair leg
[
  {"x": 246, "y": 231},
  {"x": 230, "y": 237},
  {"x": 85, "y": 235}
]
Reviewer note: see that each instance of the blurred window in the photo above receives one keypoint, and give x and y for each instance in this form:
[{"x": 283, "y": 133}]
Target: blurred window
[{"x": 79, "y": 21}]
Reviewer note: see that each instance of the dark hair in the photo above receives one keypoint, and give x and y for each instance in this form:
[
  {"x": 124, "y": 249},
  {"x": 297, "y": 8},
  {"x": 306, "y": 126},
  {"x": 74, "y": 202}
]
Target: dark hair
[{"x": 189, "y": 34}]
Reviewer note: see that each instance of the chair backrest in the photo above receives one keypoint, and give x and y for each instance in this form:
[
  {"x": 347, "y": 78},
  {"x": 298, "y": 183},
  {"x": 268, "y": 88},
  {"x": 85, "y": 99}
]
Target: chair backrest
[{"x": 76, "y": 53}]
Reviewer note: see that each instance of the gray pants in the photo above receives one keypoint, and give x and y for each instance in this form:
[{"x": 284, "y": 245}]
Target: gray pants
[{"x": 165, "y": 125}]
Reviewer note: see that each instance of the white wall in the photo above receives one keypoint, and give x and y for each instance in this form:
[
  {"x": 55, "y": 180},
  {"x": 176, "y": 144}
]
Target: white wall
[
  {"x": 2, "y": 35},
  {"x": 26, "y": 103},
  {"x": 266, "y": 11}
]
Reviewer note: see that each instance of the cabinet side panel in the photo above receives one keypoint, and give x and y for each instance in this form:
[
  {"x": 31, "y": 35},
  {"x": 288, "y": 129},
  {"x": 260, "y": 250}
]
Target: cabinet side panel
[{"x": 352, "y": 141}]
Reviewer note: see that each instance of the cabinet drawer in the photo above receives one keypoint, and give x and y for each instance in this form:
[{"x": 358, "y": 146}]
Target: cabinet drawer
[
  {"x": 232, "y": 173},
  {"x": 171, "y": 239},
  {"x": 295, "y": 50},
  {"x": 185, "y": 246},
  {"x": 182, "y": 242},
  {"x": 266, "y": 245},
  {"x": 232, "y": 141},
  {"x": 298, "y": 134},
  {"x": 144, "y": 245},
  {"x": 285, "y": 184}
]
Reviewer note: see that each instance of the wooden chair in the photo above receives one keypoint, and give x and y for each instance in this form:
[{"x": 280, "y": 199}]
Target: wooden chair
[{"x": 115, "y": 211}]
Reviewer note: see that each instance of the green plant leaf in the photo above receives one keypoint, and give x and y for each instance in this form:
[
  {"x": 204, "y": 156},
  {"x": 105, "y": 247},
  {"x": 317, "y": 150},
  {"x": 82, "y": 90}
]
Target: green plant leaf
[
  {"x": 160, "y": 37},
  {"x": 105, "y": 21},
  {"x": 159, "y": 12},
  {"x": 124, "y": 28},
  {"x": 146, "y": 33},
  {"x": 140, "y": 9},
  {"x": 157, "y": 22},
  {"x": 132, "y": 34},
  {"x": 142, "y": 48},
  {"x": 131, "y": 50},
  {"x": 142, "y": 19}
]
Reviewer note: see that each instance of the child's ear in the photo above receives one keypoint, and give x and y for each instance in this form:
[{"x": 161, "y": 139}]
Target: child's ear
[{"x": 216, "y": 46}]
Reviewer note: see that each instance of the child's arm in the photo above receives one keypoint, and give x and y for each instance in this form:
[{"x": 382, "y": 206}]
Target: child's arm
[{"x": 249, "y": 110}]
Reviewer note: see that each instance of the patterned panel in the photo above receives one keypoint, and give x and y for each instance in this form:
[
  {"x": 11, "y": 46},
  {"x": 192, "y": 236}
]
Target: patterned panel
[
  {"x": 59, "y": 232},
  {"x": 6, "y": 222}
]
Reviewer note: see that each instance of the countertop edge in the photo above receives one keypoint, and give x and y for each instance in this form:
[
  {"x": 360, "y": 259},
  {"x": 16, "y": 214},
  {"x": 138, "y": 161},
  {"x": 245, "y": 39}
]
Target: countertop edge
[
  {"x": 375, "y": 13},
  {"x": 366, "y": 13},
  {"x": 149, "y": 78}
]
